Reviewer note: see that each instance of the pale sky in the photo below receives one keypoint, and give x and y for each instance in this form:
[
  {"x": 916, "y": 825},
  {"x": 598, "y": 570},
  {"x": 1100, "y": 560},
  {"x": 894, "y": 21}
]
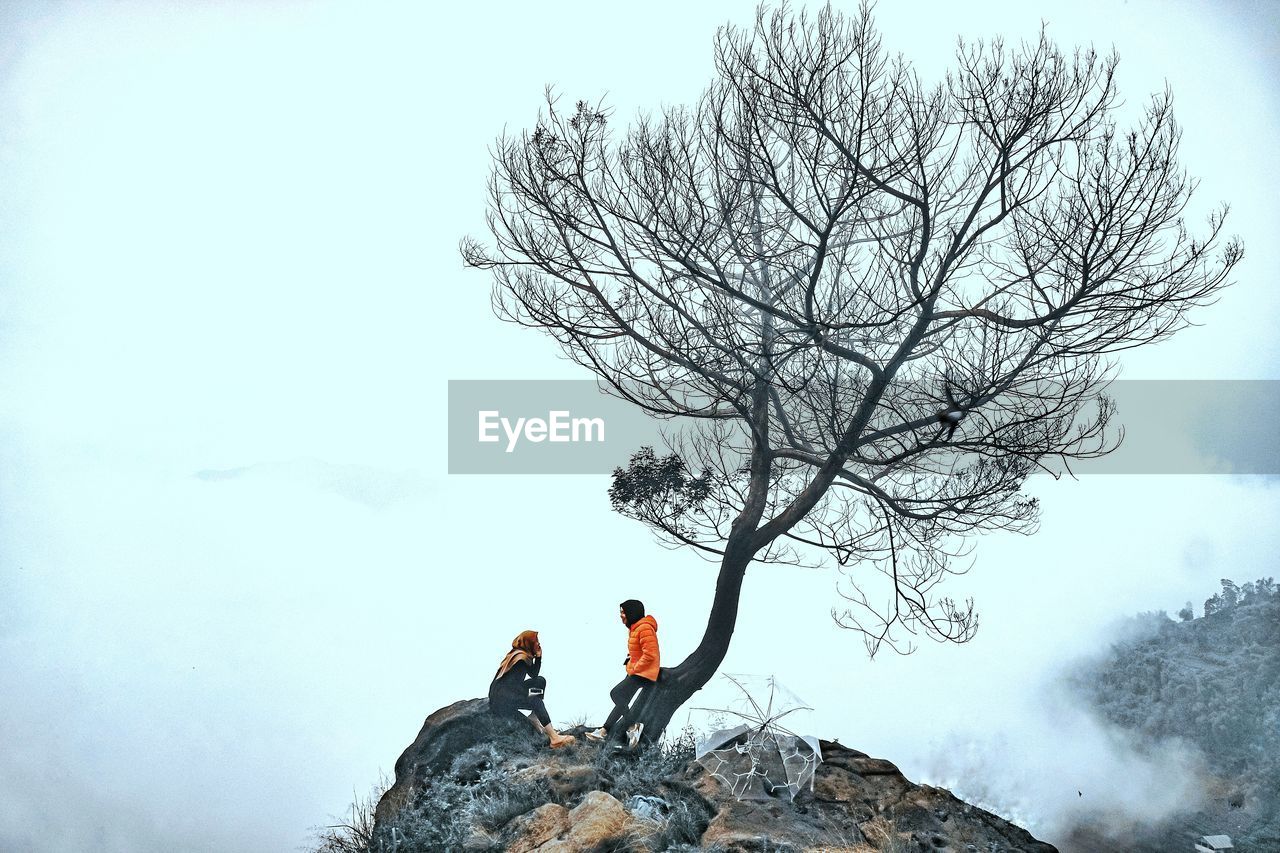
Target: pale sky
[{"x": 230, "y": 245}]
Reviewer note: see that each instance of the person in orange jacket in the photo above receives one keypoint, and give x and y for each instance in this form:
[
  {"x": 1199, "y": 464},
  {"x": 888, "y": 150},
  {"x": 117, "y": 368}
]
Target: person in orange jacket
[{"x": 642, "y": 665}]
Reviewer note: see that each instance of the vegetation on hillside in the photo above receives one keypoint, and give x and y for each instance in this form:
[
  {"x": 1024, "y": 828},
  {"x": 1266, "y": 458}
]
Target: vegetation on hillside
[{"x": 1212, "y": 681}]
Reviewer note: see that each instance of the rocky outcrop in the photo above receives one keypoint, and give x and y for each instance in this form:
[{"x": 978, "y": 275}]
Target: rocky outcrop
[
  {"x": 445, "y": 735},
  {"x": 541, "y": 826},
  {"x": 472, "y": 782},
  {"x": 858, "y": 803}
]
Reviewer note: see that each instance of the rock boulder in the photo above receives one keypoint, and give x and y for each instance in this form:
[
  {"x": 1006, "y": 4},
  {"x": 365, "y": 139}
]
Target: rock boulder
[{"x": 491, "y": 784}]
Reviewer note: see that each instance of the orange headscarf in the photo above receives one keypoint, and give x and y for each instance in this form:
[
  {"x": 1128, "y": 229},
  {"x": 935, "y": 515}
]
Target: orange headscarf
[{"x": 523, "y": 648}]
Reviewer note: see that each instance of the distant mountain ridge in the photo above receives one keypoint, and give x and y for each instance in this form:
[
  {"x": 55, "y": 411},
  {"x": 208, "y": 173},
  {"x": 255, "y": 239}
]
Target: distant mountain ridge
[{"x": 1214, "y": 682}]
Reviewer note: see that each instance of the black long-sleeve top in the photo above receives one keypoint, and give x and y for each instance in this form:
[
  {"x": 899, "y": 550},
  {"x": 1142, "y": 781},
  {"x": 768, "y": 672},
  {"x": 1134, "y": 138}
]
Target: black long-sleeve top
[{"x": 510, "y": 686}]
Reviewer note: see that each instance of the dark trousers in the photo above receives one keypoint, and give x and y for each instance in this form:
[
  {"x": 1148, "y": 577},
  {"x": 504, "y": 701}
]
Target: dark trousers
[
  {"x": 621, "y": 695},
  {"x": 511, "y": 706}
]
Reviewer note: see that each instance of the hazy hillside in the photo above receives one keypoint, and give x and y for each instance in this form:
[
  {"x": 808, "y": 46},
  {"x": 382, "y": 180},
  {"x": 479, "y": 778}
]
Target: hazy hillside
[{"x": 1213, "y": 681}]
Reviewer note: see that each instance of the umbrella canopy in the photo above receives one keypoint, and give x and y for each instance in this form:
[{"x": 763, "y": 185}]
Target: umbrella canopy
[{"x": 760, "y": 759}]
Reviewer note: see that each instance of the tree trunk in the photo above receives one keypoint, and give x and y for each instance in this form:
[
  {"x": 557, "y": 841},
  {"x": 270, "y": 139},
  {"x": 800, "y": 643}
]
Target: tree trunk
[{"x": 658, "y": 703}]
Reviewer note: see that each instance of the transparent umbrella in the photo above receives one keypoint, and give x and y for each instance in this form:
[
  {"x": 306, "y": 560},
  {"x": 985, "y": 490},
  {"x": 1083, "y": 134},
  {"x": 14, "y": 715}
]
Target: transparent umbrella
[{"x": 760, "y": 758}]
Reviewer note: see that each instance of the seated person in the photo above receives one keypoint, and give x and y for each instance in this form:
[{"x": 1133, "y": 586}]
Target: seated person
[{"x": 517, "y": 687}]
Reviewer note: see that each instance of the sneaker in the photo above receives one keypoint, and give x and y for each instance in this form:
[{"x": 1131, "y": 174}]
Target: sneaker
[
  {"x": 563, "y": 740},
  {"x": 633, "y": 735},
  {"x": 598, "y": 734}
]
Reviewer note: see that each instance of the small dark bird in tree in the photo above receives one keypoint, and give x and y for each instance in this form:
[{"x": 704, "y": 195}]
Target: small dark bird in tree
[
  {"x": 950, "y": 417},
  {"x": 1079, "y": 793}
]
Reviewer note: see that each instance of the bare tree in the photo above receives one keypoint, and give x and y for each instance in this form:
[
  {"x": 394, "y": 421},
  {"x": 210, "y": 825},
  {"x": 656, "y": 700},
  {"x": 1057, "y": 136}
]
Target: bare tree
[{"x": 877, "y": 305}]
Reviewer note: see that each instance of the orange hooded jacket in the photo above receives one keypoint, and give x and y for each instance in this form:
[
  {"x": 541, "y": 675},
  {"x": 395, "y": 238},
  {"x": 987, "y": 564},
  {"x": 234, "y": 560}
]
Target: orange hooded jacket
[{"x": 642, "y": 646}]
